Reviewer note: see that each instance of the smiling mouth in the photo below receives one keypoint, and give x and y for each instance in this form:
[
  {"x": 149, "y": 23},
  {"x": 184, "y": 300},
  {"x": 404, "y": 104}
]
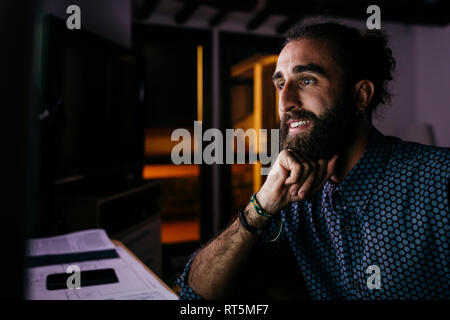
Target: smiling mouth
[{"x": 299, "y": 124}]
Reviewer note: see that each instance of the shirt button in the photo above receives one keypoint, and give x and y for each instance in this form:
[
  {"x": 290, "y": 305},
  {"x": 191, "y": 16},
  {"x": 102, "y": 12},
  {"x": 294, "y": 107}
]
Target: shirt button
[
  {"x": 347, "y": 228},
  {"x": 335, "y": 201}
]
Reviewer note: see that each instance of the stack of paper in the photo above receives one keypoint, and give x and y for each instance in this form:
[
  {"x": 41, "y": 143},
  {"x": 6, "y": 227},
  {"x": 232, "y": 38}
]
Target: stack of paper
[{"x": 135, "y": 281}]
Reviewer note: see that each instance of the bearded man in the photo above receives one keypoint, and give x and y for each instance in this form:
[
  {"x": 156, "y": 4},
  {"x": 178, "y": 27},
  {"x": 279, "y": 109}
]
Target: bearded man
[{"x": 345, "y": 212}]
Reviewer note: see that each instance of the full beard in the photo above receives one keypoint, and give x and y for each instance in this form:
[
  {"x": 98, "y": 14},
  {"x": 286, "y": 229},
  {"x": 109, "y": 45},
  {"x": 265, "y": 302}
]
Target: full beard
[{"x": 330, "y": 133}]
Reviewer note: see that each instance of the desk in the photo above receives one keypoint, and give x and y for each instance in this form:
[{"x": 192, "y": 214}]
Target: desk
[
  {"x": 120, "y": 244},
  {"x": 70, "y": 253}
]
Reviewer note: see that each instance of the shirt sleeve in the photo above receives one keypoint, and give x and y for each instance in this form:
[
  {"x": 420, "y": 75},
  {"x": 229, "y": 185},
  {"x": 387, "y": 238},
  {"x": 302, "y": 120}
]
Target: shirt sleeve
[{"x": 186, "y": 292}]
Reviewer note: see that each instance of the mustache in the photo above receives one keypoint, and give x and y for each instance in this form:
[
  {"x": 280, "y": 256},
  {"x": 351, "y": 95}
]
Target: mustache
[{"x": 299, "y": 114}]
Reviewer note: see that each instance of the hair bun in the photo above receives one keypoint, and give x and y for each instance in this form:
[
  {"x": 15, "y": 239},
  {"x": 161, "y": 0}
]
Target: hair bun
[{"x": 376, "y": 43}]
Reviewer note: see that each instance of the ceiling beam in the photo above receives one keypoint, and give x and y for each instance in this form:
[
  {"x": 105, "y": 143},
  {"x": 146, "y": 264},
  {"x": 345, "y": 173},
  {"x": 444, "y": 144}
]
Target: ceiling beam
[
  {"x": 218, "y": 18},
  {"x": 146, "y": 9},
  {"x": 258, "y": 19},
  {"x": 187, "y": 11}
]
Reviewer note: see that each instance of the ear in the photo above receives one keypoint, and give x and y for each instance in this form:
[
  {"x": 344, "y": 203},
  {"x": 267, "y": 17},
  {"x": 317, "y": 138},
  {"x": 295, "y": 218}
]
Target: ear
[{"x": 364, "y": 90}]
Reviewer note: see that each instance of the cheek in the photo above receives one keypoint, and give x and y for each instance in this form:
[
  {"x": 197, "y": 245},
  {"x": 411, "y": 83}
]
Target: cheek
[
  {"x": 317, "y": 102},
  {"x": 280, "y": 114}
]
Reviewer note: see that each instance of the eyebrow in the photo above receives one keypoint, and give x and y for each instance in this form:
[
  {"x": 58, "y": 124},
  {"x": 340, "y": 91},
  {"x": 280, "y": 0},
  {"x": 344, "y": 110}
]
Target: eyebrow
[{"x": 302, "y": 68}]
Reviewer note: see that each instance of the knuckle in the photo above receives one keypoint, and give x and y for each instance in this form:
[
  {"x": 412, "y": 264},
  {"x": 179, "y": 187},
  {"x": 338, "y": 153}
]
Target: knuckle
[
  {"x": 284, "y": 153},
  {"x": 306, "y": 166},
  {"x": 297, "y": 166}
]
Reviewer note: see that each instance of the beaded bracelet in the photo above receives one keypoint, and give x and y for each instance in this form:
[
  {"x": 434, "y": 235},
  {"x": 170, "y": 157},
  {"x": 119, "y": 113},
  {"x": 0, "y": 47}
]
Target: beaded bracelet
[
  {"x": 257, "y": 231},
  {"x": 257, "y": 207},
  {"x": 244, "y": 223}
]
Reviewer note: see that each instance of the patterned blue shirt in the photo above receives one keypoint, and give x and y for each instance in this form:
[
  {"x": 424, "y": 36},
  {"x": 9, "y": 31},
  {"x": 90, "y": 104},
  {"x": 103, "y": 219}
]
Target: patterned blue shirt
[{"x": 380, "y": 234}]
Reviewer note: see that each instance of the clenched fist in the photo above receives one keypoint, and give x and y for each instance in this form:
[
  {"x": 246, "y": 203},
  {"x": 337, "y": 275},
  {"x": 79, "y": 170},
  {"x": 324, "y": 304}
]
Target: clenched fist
[{"x": 293, "y": 178}]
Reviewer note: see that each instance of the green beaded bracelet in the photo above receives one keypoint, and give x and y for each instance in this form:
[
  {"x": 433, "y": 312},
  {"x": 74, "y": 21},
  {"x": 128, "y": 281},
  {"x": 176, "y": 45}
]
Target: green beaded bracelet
[{"x": 257, "y": 207}]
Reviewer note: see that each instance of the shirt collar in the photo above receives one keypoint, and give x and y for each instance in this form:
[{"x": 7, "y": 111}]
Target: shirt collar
[{"x": 364, "y": 176}]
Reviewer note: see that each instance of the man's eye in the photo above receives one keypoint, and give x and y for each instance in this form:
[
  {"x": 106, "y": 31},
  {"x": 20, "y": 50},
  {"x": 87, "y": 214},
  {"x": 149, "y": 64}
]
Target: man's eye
[
  {"x": 306, "y": 81},
  {"x": 280, "y": 85}
]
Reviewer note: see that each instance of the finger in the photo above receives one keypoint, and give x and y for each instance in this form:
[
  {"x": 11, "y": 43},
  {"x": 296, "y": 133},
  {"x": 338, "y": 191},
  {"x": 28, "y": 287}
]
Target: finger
[
  {"x": 293, "y": 190},
  {"x": 321, "y": 172},
  {"x": 307, "y": 166},
  {"x": 329, "y": 172},
  {"x": 278, "y": 177},
  {"x": 289, "y": 162},
  {"x": 295, "y": 174},
  {"x": 279, "y": 172},
  {"x": 331, "y": 167},
  {"x": 307, "y": 184},
  {"x": 306, "y": 163}
]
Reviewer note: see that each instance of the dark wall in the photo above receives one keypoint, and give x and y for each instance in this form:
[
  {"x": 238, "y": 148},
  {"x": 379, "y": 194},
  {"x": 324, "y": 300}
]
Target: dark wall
[{"x": 19, "y": 97}]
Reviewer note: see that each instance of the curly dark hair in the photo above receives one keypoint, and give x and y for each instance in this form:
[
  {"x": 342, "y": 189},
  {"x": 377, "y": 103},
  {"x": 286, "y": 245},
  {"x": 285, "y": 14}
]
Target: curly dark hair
[{"x": 361, "y": 55}]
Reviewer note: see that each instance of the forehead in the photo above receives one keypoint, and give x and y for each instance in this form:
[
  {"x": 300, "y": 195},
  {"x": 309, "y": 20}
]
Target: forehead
[{"x": 307, "y": 51}]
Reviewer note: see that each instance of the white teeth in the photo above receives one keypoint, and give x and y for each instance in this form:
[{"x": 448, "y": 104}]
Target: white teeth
[{"x": 299, "y": 123}]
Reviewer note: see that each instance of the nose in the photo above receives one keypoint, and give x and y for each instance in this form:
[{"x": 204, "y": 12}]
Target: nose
[{"x": 289, "y": 98}]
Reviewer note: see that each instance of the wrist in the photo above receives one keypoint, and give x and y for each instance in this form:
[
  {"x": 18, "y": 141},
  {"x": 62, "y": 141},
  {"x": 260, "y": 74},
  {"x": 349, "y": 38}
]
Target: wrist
[
  {"x": 265, "y": 204},
  {"x": 253, "y": 218}
]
